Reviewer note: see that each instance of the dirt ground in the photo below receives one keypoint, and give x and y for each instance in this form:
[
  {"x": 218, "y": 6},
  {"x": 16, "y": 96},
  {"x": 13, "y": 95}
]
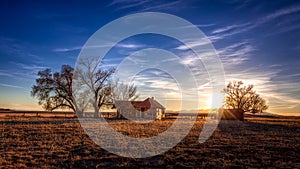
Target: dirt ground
[{"x": 257, "y": 142}]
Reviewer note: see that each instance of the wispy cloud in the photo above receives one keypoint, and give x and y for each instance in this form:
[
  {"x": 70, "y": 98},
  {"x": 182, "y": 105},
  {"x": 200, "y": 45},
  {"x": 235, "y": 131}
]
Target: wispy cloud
[
  {"x": 231, "y": 55},
  {"x": 116, "y": 2},
  {"x": 128, "y": 3},
  {"x": 77, "y": 48},
  {"x": 67, "y": 49},
  {"x": 229, "y": 28},
  {"x": 241, "y": 4},
  {"x": 5, "y": 73},
  {"x": 24, "y": 72},
  {"x": 194, "y": 42},
  {"x": 155, "y": 85},
  {"x": 163, "y": 6},
  {"x": 205, "y": 25},
  {"x": 11, "y": 86},
  {"x": 188, "y": 59},
  {"x": 19, "y": 49},
  {"x": 130, "y": 45},
  {"x": 31, "y": 67},
  {"x": 146, "y": 5},
  {"x": 285, "y": 29},
  {"x": 120, "y": 45},
  {"x": 234, "y": 29},
  {"x": 279, "y": 13},
  {"x": 236, "y": 53}
]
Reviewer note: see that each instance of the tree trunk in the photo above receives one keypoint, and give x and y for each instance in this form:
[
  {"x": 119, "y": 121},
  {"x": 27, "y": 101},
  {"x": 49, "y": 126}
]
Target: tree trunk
[
  {"x": 118, "y": 114},
  {"x": 96, "y": 114},
  {"x": 79, "y": 113},
  {"x": 96, "y": 110}
]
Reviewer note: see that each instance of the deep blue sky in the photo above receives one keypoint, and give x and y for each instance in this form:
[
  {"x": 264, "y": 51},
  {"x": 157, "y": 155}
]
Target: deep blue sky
[{"x": 258, "y": 41}]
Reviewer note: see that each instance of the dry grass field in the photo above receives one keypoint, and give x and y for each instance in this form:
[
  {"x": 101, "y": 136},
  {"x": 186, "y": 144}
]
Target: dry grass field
[{"x": 39, "y": 142}]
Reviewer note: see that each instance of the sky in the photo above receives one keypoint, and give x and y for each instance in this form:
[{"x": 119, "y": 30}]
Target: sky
[{"x": 257, "y": 41}]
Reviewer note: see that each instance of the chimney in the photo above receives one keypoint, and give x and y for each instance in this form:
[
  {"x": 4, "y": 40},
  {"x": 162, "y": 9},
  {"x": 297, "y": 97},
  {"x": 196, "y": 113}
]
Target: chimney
[{"x": 152, "y": 98}]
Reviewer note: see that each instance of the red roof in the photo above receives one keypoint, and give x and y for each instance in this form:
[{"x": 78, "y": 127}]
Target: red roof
[{"x": 147, "y": 103}]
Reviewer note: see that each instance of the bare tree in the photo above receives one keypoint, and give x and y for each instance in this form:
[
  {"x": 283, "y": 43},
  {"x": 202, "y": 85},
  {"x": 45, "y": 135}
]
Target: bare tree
[
  {"x": 123, "y": 92},
  {"x": 90, "y": 76},
  {"x": 54, "y": 90},
  {"x": 244, "y": 97},
  {"x": 82, "y": 100}
]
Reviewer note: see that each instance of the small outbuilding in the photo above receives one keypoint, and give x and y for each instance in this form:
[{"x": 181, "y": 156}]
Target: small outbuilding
[{"x": 148, "y": 107}]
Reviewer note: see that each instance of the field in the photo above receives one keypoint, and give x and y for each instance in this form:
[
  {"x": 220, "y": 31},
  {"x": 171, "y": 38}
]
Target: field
[{"x": 257, "y": 142}]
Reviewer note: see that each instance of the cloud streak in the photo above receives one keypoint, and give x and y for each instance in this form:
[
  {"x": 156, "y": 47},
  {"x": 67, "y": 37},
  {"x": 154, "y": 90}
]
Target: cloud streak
[
  {"x": 11, "y": 86},
  {"x": 18, "y": 49},
  {"x": 231, "y": 30},
  {"x": 5, "y": 73},
  {"x": 235, "y": 54},
  {"x": 146, "y": 5},
  {"x": 120, "y": 45}
]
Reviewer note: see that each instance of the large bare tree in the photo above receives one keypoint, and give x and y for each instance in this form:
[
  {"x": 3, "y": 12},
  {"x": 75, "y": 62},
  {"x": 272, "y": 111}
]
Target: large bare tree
[
  {"x": 90, "y": 76},
  {"x": 54, "y": 90},
  {"x": 66, "y": 90},
  {"x": 243, "y": 97}
]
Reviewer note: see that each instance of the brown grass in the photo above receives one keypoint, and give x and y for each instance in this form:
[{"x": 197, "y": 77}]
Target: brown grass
[{"x": 61, "y": 143}]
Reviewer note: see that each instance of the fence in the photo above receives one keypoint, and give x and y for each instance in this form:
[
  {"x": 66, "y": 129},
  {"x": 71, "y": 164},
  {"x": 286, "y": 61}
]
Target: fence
[{"x": 37, "y": 113}]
